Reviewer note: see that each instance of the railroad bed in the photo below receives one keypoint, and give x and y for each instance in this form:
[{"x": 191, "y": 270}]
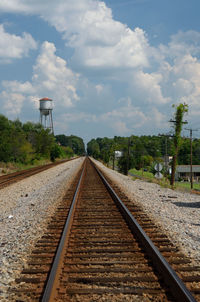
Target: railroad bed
[
  {"x": 8, "y": 179},
  {"x": 102, "y": 259}
]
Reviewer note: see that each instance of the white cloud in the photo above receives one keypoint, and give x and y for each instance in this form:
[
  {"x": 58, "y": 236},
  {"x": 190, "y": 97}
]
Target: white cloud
[
  {"x": 14, "y": 47},
  {"x": 120, "y": 128},
  {"x": 16, "y": 86},
  {"x": 23, "y": 6},
  {"x": 12, "y": 102},
  {"x": 99, "y": 88},
  {"x": 79, "y": 116},
  {"x": 51, "y": 77},
  {"x": 148, "y": 86},
  {"x": 182, "y": 43},
  {"x": 186, "y": 74},
  {"x": 157, "y": 119},
  {"x": 88, "y": 26},
  {"x": 154, "y": 77},
  {"x": 183, "y": 87},
  {"x": 126, "y": 115}
]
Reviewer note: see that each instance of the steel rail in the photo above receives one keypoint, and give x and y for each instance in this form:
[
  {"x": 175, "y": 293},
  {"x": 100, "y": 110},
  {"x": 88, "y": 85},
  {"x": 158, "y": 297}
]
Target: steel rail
[
  {"x": 49, "y": 288},
  {"x": 179, "y": 290},
  {"x": 8, "y": 178}
]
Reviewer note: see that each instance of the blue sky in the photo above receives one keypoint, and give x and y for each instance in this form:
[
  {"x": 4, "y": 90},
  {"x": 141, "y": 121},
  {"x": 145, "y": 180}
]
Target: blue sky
[{"x": 111, "y": 68}]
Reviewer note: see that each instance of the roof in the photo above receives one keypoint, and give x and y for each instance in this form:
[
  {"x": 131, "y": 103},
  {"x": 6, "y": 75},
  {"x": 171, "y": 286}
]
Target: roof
[
  {"x": 186, "y": 168},
  {"x": 45, "y": 99}
]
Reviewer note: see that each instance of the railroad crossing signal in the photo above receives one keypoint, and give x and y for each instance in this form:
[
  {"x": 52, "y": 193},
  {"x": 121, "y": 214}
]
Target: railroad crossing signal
[
  {"x": 158, "y": 175},
  {"x": 158, "y": 167}
]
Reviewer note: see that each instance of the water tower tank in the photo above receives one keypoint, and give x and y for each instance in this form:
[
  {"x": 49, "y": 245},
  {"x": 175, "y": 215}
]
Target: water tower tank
[
  {"x": 46, "y": 119},
  {"x": 46, "y": 106}
]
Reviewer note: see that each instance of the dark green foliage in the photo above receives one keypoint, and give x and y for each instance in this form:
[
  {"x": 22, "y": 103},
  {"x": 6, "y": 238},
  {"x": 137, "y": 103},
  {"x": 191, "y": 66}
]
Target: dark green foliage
[
  {"x": 93, "y": 149},
  {"x": 143, "y": 150},
  {"x": 68, "y": 151},
  {"x": 138, "y": 152},
  {"x": 25, "y": 143},
  {"x": 181, "y": 109},
  {"x": 56, "y": 152},
  {"x": 74, "y": 142}
]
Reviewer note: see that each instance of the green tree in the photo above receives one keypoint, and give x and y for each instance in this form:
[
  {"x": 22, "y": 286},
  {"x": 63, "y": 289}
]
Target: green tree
[
  {"x": 44, "y": 142},
  {"x": 181, "y": 109},
  {"x": 5, "y": 139},
  {"x": 23, "y": 143},
  {"x": 56, "y": 152},
  {"x": 68, "y": 151},
  {"x": 93, "y": 149},
  {"x": 74, "y": 142}
]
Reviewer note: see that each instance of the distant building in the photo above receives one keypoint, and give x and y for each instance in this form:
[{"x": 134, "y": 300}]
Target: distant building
[
  {"x": 183, "y": 172},
  {"x": 118, "y": 154}
]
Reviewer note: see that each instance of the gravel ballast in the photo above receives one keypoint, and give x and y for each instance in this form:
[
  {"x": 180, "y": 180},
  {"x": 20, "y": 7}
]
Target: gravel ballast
[
  {"x": 25, "y": 209},
  {"x": 177, "y": 213},
  {"x": 27, "y": 206}
]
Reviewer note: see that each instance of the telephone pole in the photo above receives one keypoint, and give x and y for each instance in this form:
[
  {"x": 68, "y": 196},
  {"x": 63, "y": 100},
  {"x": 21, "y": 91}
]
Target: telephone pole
[
  {"x": 128, "y": 154},
  {"x": 191, "y": 172},
  {"x": 166, "y": 136},
  {"x": 130, "y": 143}
]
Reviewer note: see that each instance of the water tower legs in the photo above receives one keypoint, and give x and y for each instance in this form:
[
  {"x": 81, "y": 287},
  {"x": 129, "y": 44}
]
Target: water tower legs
[{"x": 46, "y": 120}]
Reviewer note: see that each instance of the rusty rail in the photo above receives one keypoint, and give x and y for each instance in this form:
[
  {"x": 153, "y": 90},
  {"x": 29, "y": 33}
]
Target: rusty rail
[
  {"x": 99, "y": 249},
  {"x": 51, "y": 283},
  {"x": 6, "y": 180},
  {"x": 179, "y": 289}
]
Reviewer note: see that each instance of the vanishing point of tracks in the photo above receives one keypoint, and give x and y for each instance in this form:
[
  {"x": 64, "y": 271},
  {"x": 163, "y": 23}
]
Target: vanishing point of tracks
[{"x": 104, "y": 255}]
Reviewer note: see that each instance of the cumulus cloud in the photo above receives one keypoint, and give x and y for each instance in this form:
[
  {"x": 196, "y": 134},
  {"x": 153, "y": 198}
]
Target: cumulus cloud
[
  {"x": 88, "y": 26},
  {"x": 152, "y": 76},
  {"x": 13, "y": 102},
  {"x": 51, "y": 77},
  {"x": 185, "y": 85},
  {"x": 126, "y": 115},
  {"x": 14, "y": 47},
  {"x": 148, "y": 86},
  {"x": 99, "y": 88},
  {"x": 128, "y": 118},
  {"x": 179, "y": 67},
  {"x": 182, "y": 43},
  {"x": 79, "y": 116}
]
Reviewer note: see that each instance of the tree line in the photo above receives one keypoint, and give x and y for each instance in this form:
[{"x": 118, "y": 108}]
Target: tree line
[
  {"x": 27, "y": 143},
  {"x": 74, "y": 142},
  {"x": 143, "y": 151}
]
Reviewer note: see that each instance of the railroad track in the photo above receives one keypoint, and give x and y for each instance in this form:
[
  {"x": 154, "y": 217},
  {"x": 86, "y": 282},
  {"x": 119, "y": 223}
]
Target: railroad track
[
  {"x": 103, "y": 255},
  {"x": 11, "y": 178}
]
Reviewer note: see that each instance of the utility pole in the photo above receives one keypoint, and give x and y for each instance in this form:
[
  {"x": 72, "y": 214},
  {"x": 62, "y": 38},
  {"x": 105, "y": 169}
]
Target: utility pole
[
  {"x": 128, "y": 154},
  {"x": 130, "y": 143},
  {"x": 166, "y": 136},
  {"x": 191, "y": 172},
  {"x": 113, "y": 160}
]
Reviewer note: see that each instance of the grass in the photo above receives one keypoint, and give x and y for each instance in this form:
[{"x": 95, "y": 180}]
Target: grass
[
  {"x": 186, "y": 185},
  {"x": 164, "y": 182},
  {"x": 142, "y": 173},
  {"x": 11, "y": 167}
]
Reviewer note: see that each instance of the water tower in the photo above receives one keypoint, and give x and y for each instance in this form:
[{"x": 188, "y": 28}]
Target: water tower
[{"x": 46, "y": 118}]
